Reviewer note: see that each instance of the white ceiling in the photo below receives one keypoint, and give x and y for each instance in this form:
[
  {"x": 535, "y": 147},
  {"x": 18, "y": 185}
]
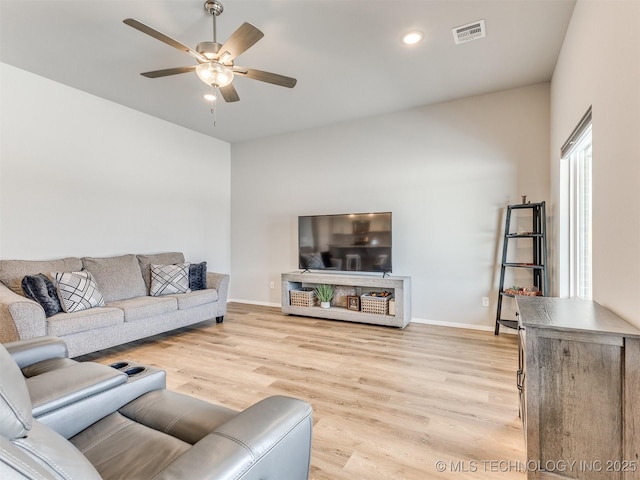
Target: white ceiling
[{"x": 346, "y": 55}]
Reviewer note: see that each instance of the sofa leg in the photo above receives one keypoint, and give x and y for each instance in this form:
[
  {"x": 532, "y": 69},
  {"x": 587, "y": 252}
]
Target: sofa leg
[{"x": 219, "y": 319}]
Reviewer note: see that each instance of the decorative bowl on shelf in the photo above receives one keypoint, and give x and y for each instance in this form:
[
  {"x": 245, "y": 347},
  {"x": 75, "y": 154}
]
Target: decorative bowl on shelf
[{"x": 523, "y": 291}]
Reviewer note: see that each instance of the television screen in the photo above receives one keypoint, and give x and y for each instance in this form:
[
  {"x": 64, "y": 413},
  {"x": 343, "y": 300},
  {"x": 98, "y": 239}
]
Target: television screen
[{"x": 354, "y": 242}]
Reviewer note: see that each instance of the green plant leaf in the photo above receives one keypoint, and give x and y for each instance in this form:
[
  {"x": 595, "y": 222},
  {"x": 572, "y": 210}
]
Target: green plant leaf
[{"x": 324, "y": 292}]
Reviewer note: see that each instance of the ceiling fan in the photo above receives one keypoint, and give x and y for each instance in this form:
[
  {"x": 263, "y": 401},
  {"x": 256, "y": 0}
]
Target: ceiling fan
[{"x": 216, "y": 65}]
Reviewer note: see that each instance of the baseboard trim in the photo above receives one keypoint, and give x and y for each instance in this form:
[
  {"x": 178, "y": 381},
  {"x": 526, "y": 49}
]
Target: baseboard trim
[
  {"x": 251, "y": 302},
  {"x": 466, "y": 326},
  {"x": 424, "y": 321}
]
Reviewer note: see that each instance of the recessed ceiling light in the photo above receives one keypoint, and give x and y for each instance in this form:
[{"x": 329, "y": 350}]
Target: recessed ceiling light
[
  {"x": 411, "y": 38},
  {"x": 209, "y": 97}
]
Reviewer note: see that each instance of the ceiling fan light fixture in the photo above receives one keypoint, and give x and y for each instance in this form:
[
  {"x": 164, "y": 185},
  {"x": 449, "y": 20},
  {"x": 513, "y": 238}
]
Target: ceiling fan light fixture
[{"x": 215, "y": 74}]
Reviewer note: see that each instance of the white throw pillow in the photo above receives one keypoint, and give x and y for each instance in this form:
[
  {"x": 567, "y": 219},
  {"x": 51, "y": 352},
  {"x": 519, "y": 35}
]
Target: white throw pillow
[
  {"x": 168, "y": 279},
  {"x": 77, "y": 291}
]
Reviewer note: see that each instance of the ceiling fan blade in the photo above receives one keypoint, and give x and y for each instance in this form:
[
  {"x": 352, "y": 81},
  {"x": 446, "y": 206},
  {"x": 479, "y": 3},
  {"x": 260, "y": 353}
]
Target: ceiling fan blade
[
  {"x": 240, "y": 41},
  {"x": 268, "y": 77},
  {"x": 168, "y": 71},
  {"x": 164, "y": 38},
  {"x": 229, "y": 93}
]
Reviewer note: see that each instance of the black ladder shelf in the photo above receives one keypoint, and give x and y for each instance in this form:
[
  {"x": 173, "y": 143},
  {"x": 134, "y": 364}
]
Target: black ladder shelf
[{"x": 538, "y": 264}]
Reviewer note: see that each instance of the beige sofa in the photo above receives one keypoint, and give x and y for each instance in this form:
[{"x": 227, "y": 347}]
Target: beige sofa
[{"x": 129, "y": 313}]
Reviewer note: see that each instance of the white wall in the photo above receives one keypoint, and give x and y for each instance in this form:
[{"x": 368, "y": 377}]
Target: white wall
[
  {"x": 599, "y": 65},
  {"x": 82, "y": 176},
  {"x": 445, "y": 171}
]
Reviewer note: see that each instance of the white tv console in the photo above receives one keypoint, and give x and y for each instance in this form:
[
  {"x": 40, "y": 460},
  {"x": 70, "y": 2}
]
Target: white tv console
[{"x": 400, "y": 287}]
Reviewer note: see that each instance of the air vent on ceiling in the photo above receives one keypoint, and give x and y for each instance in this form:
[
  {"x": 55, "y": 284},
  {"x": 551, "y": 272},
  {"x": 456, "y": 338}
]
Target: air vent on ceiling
[{"x": 468, "y": 32}]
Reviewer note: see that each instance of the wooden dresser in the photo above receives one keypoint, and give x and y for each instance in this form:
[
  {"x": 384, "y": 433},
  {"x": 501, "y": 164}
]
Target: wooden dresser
[{"x": 579, "y": 382}]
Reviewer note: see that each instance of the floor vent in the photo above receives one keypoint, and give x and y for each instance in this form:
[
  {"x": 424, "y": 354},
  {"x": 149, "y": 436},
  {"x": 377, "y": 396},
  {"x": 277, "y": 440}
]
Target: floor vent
[{"x": 468, "y": 32}]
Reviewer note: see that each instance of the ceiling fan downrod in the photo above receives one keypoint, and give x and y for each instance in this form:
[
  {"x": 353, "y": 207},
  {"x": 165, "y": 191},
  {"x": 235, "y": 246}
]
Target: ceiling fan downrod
[{"x": 214, "y": 8}]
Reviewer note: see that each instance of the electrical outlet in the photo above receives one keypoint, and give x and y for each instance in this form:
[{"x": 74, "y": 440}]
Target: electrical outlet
[
  {"x": 485, "y": 301},
  {"x": 272, "y": 285}
]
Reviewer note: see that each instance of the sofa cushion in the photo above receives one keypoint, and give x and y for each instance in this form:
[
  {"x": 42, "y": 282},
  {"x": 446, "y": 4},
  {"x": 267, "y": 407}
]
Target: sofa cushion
[
  {"x": 145, "y": 307},
  {"x": 198, "y": 276},
  {"x": 77, "y": 291},
  {"x": 40, "y": 289},
  {"x": 67, "y": 323},
  {"x": 168, "y": 279},
  {"x": 187, "y": 418},
  {"x": 145, "y": 262},
  {"x": 13, "y": 271},
  {"x": 121, "y": 448},
  {"x": 118, "y": 277},
  {"x": 195, "y": 299}
]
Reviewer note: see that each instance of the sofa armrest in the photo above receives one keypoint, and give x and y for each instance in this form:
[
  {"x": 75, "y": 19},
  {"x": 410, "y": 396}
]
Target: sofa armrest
[
  {"x": 270, "y": 440},
  {"x": 34, "y": 350},
  {"x": 20, "y": 317},
  {"x": 219, "y": 281}
]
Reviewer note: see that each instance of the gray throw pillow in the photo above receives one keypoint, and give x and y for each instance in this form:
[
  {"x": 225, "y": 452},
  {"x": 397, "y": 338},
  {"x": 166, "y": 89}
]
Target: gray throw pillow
[
  {"x": 40, "y": 289},
  {"x": 198, "y": 276}
]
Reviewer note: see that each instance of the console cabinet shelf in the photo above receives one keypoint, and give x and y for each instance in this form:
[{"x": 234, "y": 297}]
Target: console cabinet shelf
[
  {"x": 579, "y": 383},
  {"x": 400, "y": 287}
]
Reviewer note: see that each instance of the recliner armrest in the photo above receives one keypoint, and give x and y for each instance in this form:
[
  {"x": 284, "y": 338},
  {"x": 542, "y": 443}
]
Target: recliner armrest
[
  {"x": 270, "y": 440},
  {"x": 62, "y": 387},
  {"x": 34, "y": 350}
]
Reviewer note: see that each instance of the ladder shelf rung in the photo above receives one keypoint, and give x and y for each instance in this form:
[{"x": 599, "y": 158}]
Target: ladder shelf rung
[
  {"x": 524, "y": 205},
  {"x": 522, "y": 265},
  {"x": 523, "y": 235},
  {"x": 509, "y": 323}
]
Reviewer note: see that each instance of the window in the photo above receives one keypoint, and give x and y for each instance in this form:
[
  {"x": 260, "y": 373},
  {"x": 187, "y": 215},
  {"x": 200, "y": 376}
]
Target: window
[{"x": 577, "y": 154}]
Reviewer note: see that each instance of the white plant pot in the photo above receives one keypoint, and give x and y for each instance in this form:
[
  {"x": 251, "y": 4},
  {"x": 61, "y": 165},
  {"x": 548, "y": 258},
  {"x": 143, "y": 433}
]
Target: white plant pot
[{"x": 325, "y": 304}]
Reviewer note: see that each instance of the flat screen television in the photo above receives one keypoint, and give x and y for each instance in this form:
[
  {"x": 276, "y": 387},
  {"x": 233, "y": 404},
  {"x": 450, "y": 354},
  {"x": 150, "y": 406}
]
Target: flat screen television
[{"x": 352, "y": 242}]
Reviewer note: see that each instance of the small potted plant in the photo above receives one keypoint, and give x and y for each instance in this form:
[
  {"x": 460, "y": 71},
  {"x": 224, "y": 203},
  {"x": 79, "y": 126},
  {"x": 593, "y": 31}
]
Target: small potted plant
[{"x": 324, "y": 294}]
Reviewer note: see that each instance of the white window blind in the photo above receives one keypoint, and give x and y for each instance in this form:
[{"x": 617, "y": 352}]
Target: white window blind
[{"x": 577, "y": 150}]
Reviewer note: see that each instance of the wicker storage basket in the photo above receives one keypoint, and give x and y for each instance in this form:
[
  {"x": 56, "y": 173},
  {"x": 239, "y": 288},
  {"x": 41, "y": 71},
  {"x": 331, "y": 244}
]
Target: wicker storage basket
[
  {"x": 305, "y": 297},
  {"x": 376, "y": 305}
]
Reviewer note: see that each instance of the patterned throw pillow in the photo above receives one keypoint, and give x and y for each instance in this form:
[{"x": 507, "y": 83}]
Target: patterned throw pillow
[
  {"x": 168, "y": 279},
  {"x": 198, "y": 276},
  {"x": 77, "y": 291},
  {"x": 40, "y": 289}
]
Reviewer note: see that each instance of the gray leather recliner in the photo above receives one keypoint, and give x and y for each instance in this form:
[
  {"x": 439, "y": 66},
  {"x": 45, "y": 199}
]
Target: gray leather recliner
[{"x": 85, "y": 429}]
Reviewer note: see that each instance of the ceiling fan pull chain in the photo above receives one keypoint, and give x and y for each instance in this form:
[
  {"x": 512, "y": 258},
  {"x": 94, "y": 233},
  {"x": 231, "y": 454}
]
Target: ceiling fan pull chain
[{"x": 213, "y": 105}]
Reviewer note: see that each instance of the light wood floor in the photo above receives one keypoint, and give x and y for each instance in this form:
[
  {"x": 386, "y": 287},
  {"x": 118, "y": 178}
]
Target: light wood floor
[{"x": 388, "y": 403}]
